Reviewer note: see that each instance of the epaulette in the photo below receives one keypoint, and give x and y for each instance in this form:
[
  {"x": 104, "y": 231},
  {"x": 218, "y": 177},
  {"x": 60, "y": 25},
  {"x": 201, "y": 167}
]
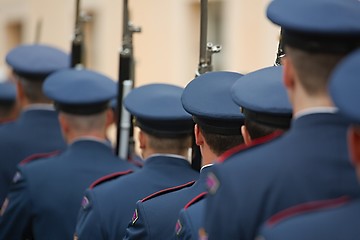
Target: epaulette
[
  {"x": 305, "y": 208},
  {"x": 167, "y": 190},
  {"x": 195, "y": 199},
  {"x": 38, "y": 156},
  {"x": 254, "y": 143},
  {"x": 109, "y": 177}
]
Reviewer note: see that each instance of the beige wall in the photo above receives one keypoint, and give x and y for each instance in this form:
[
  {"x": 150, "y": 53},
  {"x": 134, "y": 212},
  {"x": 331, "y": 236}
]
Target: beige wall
[{"x": 168, "y": 47}]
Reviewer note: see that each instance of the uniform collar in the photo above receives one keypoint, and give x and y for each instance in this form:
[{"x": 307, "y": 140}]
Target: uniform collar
[
  {"x": 315, "y": 110},
  {"x": 166, "y": 159},
  {"x": 39, "y": 106}
]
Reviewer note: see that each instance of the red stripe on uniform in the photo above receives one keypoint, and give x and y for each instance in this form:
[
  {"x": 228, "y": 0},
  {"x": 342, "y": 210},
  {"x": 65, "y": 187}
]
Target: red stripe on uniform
[
  {"x": 109, "y": 177},
  {"x": 195, "y": 199},
  {"x": 38, "y": 156},
  {"x": 254, "y": 143},
  {"x": 306, "y": 207},
  {"x": 167, "y": 190}
]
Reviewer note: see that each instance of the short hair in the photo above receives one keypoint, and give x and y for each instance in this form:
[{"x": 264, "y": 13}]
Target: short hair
[
  {"x": 313, "y": 69},
  {"x": 6, "y": 109},
  {"x": 171, "y": 145},
  {"x": 220, "y": 143},
  {"x": 33, "y": 89},
  {"x": 258, "y": 130},
  {"x": 86, "y": 123}
]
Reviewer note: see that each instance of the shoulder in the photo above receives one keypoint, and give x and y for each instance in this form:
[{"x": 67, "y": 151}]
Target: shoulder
[
  {"x": 38, "y": 156},
  {"x": 242, "y": 148},
  {"x": 109, "y": 178},
  {"x": 315, "y": 220},
  {"x": 166, "y": 191},
  {"x": 305, "y": 208}
]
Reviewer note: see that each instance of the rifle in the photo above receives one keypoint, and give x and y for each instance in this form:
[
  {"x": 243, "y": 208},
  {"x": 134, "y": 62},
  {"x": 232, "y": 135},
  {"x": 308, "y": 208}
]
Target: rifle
[
  {"x": 280, "y": 51},
  {"x": 38, "y": 31},
  {"x": 124, "y": 137},
  {"x": 207, "y": 49},
  {"x": 77, "y": 45}
]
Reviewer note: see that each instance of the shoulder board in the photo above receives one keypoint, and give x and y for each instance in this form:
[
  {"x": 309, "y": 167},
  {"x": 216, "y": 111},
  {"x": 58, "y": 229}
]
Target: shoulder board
[
  {"x": 254, "y": 143},
  {"x": 109, "y": 177},
  {"x": 38, "y": 156},
  {"x": 195, "y": 199},
  {"x": 167, "y": 190},
  {"x": 305, "y": 208}
]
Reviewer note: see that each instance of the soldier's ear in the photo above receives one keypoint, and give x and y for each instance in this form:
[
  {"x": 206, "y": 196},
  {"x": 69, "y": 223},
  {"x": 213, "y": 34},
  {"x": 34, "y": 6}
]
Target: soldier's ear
[
  {"x": 199, "y": 137},
  {"x": 109, "y": 117},
  {"x": 245, "y": 134},
  {"x": 354, "y": 145},
  {"x": 20, "y": 92},
  {"x": 142, "y": 139}
]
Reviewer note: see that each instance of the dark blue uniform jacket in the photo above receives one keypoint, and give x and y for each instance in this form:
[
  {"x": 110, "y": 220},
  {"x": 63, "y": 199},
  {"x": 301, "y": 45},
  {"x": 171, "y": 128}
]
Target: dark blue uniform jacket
[
  {"x": 35, "y": 131},
  {"x": 44, "y": 201},
  {"x": 157, "y": 214},
  {"x": 309, "y": 162},
  {"x": 112, "y": 203},
  {"x": 330, "y": 223}
]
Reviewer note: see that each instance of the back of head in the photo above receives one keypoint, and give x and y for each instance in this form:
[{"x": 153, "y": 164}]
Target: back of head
[
  {"x": 8, "y": 107},
  {"x": 316, "y": 35},
  {"x": 208, "y": 99},
  {"x": 31, "y": 64},
  {"x": 263, "y": 101},
  {"x": 158, "y": 113}
]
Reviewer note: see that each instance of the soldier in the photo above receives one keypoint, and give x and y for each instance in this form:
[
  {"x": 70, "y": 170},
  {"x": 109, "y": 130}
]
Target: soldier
[
  {"x": 44, "y": 201},
  {"x": 164, "y": 137},
  {"x": 335, "y": 218},
  {"x": 217, "y": 129},
  {"x": 266, "y": 116},
  {"x": 310, "y": 161},
  {"x": 37, "y": 129},
  {"x": 9, "y": 109}
]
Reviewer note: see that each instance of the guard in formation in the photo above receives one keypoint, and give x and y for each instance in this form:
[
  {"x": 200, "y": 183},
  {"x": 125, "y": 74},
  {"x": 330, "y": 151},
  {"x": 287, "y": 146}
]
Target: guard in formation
[
  {"x": 37, "y": 129},
  {"x": 46, "y": 194},
  {"x": 217, "y": 129},
  {"x": 262, "y": 98},
  {"x": 337, "y": 218},
  {"x": 310, "y": 161},
  {"x": 165, "y": 138}
]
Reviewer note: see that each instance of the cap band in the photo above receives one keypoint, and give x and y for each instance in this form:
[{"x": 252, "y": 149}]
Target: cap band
[
  {"x": 278, "y": 121},
  {"x": 165, "y": 129},
  {"x": 320, "y": 43},
  {"x": 220, "y": 126},
  {"x": 82, "y": 109}
]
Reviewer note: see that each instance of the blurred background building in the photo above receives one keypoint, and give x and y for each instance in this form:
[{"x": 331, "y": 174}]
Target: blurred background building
[{"x": 167, "y": 49}]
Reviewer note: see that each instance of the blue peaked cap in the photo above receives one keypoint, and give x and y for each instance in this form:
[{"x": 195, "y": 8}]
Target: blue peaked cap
[
  {"x": 208, "y": 99},
  {"x": 7, "y": 92},
  {"x": 345, "y": 87},
  {"x": 318, "y": 25},
  {"x": 81, "y": 92},
  {"x": 37, "y": 61},
  {"x": 158, "y": 110},
  {"x": 263, "y": 98}
]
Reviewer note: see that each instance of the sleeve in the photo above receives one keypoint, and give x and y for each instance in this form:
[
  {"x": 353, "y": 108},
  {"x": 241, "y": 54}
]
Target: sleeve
[
  {"x": 88, "y": 224},
  {"x": 220, "y": 219},
  {"x": 183, "y": 228},
  {"x": 138, "y": 227},
  {"x": 16, "y": 215}
]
